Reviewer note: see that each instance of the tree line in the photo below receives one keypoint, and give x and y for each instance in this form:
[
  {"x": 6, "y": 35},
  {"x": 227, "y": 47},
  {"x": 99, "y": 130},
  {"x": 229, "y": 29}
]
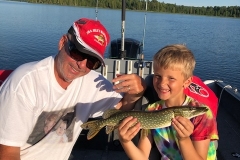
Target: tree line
[{"x": 153, "y": 5}]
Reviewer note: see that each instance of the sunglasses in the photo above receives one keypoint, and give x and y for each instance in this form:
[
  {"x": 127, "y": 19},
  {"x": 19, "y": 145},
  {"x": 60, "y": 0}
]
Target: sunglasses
[{"x": 92, "y": 62}]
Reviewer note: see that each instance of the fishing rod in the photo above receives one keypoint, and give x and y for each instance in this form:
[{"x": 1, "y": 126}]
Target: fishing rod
[
  {"x": 145, "y": 22},
  {"x": 96, "y": 10},
  {"x": 142, "y": 64},
  {"x": 123, "y": 52}
]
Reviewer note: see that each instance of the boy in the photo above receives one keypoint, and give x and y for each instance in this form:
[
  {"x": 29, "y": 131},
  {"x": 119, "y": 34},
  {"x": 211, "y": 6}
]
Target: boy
[{"x": 184, "y": 139}]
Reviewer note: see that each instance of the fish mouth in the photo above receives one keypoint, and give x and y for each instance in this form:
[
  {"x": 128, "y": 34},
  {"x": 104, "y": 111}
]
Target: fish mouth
[
  {"x": 206, "y": 109},
  {"x": 203, "y": 110}
]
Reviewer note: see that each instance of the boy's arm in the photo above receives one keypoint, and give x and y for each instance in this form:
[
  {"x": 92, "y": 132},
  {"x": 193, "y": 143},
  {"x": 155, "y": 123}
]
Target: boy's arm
[
  {"x": 126, "y": 133},
  {"x": 9, "y": 153},
  {"x": 137, "y": 153},
  {"x": 196, "y": 150}
]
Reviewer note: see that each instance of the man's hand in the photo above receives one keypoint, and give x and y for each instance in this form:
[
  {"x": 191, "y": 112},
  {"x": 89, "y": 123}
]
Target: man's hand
[{"x": 129, "y": 83}]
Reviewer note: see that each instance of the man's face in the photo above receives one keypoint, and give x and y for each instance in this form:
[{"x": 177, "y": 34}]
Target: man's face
[{"x": 68, "y": 69}]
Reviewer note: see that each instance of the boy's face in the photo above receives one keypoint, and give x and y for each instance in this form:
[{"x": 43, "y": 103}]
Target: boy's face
[{"x": 169, "y": 84}]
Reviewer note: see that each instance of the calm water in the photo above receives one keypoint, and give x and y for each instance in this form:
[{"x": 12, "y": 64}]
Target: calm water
[{"x": 30, "y": 32}]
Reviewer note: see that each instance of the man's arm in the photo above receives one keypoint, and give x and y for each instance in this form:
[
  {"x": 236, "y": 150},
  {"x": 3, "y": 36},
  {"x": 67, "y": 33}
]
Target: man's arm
[
  {"x": 9, "y": 153},
  {"x": 133, "y": 87}
]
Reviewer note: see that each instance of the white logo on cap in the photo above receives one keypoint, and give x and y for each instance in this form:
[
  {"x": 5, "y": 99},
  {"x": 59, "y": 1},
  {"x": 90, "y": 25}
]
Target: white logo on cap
[{"x": 101, "y": 38}]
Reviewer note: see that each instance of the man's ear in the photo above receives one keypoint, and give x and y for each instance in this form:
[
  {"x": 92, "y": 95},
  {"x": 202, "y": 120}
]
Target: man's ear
[
  {"x": 188, "y": 82},
  {"x": 62, "y": 42}
]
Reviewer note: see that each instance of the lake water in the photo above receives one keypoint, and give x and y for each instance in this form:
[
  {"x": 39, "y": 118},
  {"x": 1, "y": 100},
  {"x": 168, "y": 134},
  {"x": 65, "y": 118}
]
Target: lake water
[{"x": 30, "y": 32}]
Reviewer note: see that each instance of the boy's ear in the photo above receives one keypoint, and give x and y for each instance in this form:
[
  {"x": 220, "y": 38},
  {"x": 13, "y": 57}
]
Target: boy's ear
[
  {"x": 188, "y": 82},
  {"x": 62, "y": 42}
]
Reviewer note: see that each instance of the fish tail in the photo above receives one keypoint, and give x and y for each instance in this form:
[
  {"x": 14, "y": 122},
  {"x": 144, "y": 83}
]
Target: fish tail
[{"x": 93, "y": 126}]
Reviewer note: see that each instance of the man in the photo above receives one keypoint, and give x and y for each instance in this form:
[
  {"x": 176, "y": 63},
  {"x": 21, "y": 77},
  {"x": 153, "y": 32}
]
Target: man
[{"x": 60, "y": 88}]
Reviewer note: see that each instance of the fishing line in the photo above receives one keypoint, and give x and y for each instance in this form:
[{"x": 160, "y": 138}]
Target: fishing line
[
  {"x": 144, "y": 28},
  {"x": 96, "y": 10}
]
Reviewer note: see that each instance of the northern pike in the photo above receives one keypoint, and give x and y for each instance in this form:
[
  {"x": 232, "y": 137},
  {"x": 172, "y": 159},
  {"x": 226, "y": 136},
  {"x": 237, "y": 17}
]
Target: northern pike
[{"x": 148, "y": 119}]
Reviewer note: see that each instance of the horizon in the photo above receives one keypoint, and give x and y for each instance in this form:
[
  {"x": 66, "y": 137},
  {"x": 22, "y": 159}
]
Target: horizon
[{"x": 203, "y": 3}]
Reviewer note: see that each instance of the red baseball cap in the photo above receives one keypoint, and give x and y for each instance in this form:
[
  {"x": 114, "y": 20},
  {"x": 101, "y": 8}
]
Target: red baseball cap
[{"x": 90, "y": 37}]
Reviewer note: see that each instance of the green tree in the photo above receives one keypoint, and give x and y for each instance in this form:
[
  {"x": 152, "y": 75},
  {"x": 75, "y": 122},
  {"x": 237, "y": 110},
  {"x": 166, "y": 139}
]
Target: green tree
[{"x": 153, "y": 5}]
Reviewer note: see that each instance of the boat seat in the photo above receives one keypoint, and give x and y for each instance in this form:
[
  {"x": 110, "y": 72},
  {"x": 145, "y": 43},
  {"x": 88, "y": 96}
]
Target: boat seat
[
  {"x": 149, "y": 96},
  {"x": 4, "y": 74}
]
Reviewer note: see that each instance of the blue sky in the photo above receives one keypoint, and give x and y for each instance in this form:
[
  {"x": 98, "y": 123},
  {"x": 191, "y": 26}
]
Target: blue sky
[{"x": 200, "y": 3}]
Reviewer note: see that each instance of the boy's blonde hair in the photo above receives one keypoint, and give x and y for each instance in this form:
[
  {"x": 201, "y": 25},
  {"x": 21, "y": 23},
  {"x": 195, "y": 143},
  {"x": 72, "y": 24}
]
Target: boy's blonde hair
[{"x": 176, "y": 56}]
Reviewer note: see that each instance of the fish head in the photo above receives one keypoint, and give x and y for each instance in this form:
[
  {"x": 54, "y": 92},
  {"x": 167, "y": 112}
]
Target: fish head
[{"x": 189, "y": 111}]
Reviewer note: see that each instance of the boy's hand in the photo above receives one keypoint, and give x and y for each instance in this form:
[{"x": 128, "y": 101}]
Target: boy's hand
[
  {"x": 183, "y": 126},
  {"x": 128, "y": 129}
]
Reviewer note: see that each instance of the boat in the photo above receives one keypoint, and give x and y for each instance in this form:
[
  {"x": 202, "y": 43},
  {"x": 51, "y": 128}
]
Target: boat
[{"x": 227, "y": 117}]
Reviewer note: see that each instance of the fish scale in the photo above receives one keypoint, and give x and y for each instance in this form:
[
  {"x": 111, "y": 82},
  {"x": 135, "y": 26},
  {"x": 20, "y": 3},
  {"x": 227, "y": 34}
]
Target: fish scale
[{"x": 148, "y": 119}]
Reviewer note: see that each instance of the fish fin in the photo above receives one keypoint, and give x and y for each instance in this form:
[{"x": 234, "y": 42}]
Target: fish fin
[
  {"x": 109, "y": 129},
  {"x": 144, "y": 133},
  {"x": 110, "y": 112},
  {"x": 93, "y": 127}
]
